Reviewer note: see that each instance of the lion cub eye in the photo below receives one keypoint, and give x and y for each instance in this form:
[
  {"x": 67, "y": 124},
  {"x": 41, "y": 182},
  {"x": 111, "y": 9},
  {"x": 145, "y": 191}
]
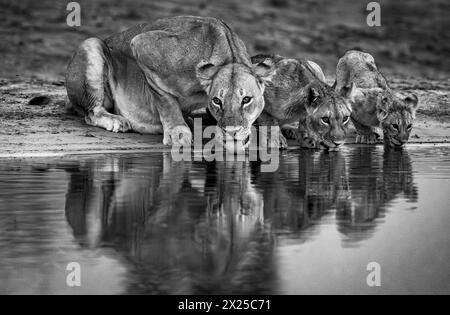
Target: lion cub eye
[
  {"x": 395, "y": 126},
  {"x": 246, "y": 100},
  {"x": 326, "y": 120},
  {"x": 216, "y": 101},
  {"x": 346, "y": 119},
  {"x": 409, "y": 127}
]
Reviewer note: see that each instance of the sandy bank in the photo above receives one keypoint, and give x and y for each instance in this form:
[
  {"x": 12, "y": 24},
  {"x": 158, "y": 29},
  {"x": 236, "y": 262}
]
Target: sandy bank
[{"x": 46, "y": 128}]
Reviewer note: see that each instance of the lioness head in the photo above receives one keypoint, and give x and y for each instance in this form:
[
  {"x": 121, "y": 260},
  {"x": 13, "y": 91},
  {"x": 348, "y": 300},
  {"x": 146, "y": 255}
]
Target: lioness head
[
  {"x": 235, "y": 93},
  {"x": 396, "y": 114},
  {"x": 328, "y": 115}
]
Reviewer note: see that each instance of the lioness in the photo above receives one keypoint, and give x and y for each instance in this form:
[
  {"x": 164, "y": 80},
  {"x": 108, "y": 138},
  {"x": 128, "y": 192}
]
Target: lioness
[
  {"x": 374, "y": 104},
  {"x": 297, "y": 92},
  {"x": 147, "y": 77}
]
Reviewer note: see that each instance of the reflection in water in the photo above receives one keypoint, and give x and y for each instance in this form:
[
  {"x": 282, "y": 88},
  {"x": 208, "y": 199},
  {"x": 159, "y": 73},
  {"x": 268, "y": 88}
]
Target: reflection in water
[
  {"x": 217, "y": 227},
  {"x": 185, "y": 228},
  {"x": 376, "y": 178},
  {"x": 309, "y": 185},
  {"x": 202, "y": 227}
]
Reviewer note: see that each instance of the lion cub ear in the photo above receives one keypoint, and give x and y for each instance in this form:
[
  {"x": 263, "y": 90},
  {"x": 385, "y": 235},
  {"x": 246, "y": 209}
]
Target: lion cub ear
[
  {"x": 412, "y": 100},
  {"x": 382, "y": 106},
  {"x": 312, "y": 97},
  {"x": 205, "y": 72},
  {"x": 264, "y": 70}
]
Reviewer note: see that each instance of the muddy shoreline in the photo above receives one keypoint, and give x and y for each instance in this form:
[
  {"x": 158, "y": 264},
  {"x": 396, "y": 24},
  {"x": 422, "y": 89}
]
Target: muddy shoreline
[{"x": 34, "y": 121}]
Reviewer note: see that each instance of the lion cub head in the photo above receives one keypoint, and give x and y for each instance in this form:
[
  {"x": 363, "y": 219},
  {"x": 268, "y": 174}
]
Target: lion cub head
[
  {"x": 396, "y": 114},
  {"x": 393, "y": 112},
  {"x": 236, "y": 100},
  {"x": 297, "y": 93},
  {"x": 327, "y": 117},
  {"x": 374, "y": 103}
]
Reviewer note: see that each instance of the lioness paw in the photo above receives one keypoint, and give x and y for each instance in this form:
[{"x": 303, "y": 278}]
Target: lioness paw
[
  {"x": 123, "y": 126},
  {"x": 178, "y": 136},
  {"x": 110, "y": 122}
]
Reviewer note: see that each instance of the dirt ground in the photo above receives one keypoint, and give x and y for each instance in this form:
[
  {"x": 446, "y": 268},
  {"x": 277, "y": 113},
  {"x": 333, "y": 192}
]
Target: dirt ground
[
  {"x": 46, "y": 128},
  {"x": 411, "y": 47}
]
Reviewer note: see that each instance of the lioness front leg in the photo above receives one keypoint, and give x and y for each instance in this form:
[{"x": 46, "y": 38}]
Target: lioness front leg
[
  {"x": 176, "y": 131},
  {"x": 268, "y": 122},
  {"x": 87, "y": 84}
]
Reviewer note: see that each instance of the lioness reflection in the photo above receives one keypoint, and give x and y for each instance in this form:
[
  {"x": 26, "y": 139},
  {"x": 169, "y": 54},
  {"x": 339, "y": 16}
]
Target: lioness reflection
[
  {"x": 185, "y": 228},
  {"x": 209, "y": 227}
]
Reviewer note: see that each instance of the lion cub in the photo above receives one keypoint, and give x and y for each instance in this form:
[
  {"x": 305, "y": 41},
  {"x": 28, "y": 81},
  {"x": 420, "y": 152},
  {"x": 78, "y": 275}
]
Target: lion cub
[
  {"x": 296, "y": 92},
  {"x": 374, "y": 104}
]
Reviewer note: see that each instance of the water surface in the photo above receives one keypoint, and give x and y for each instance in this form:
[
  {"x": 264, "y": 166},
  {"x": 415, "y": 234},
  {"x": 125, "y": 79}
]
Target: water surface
[{"x": 146, "y": 224}]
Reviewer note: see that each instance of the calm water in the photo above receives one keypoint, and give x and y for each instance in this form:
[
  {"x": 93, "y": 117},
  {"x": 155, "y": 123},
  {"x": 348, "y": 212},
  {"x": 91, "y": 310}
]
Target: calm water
[{"x": 146, "y": 224}]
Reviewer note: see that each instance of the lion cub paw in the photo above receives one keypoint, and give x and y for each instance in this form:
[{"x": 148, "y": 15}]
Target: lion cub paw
[
  {"x": 283, "y": 142},
  {"x": 178, "y": 136},
  {"x": 273, "y": 140},
  {"x": 290, "y": 133},
  {"x": 309, "y": 143},
  {"x": 367, "y": 139},
  {"x": 279, "y": 142}
]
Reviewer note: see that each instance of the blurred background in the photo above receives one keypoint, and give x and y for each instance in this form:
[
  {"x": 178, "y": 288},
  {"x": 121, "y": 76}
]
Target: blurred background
[{"x": 413, "y": 40}]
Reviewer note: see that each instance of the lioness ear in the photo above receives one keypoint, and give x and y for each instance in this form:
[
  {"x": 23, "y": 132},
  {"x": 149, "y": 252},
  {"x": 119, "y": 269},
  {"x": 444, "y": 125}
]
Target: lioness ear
[
  {"x": 205, "y": 72},
  {"x": 264, "y": 70},
  {"x": 412, "y": 100}
]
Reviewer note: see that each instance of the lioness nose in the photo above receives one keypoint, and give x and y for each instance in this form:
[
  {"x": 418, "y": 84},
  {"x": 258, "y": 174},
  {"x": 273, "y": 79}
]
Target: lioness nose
[{"x": 232, "y": 130}]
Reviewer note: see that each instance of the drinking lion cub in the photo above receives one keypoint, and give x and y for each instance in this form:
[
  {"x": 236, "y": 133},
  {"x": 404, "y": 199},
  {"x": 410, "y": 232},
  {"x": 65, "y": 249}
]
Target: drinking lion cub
[
  {"x": 375, "y": 105},
  {"x": 297, "y": 93}
]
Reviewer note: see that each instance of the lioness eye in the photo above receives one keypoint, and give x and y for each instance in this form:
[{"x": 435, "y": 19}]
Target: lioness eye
[
  {"x": 395, "y": 126},
  {"x": 409, "y": 126},
  {"x": 346, "y": 119},
  {"x": 246, "y": 100},
  {"x": 217, "y": 101},
  {"x": 326, "y": 120}
]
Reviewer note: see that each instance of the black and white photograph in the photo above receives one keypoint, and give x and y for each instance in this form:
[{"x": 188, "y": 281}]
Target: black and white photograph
[{"x": 224, "y": 152}]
